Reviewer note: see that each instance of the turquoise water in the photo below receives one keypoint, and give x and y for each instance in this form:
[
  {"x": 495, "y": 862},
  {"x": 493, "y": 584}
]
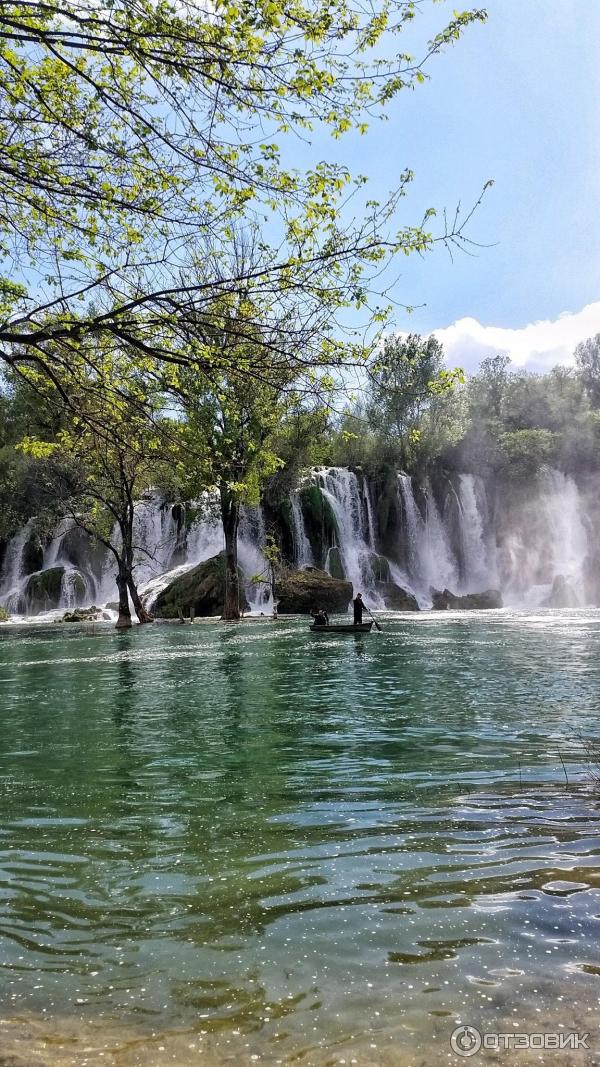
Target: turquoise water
[{"x": 252, "y": 842}]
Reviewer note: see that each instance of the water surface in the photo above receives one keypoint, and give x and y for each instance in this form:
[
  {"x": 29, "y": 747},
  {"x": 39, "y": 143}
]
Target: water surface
[{"x": 253, "y": 842}]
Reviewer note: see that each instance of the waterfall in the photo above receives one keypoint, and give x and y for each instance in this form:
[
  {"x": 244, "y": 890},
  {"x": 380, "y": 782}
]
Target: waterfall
[
  {"x": 203, "y": 539},
  {"x": 431, "y": 563},
  {"x": 303, "y": 555},
  {"x": 479, "y": 569},
  {"x": 544, "y": 539},
  {"x": 12, "y": 571},
  {"x": 369, "y": 510},
  {"x": 537, "y": 545},
  {"x": 155, "y": 537},
  {"x": 252, "y": 562},
  {"x": 567, "y": 537},
  {"x": 341, "y": 488}
]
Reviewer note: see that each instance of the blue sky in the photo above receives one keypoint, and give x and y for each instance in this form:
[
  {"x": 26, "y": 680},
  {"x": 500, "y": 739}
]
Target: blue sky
[{"x": 518, "y": 101}]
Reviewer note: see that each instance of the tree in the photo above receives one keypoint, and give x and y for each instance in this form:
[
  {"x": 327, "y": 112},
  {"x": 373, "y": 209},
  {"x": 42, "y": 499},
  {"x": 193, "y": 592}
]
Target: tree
[
  {"x": 113, "y": 448},
  {"x": 232, "y": 417},
  {"x": 587, "y": 359},
  {"x": 133, "y": 131},
  {"x": 488, "y": 388},
  {"x": 403, "y": 380},
  {"x": 23, "y": 480}
]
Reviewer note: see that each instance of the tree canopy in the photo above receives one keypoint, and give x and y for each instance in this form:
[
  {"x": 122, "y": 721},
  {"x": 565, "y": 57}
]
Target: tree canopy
[{"x": 137, "y": 135}]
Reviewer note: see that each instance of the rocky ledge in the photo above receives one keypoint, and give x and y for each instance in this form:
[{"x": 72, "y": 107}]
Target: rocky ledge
[
  {"x": 447, "y": 601},
  {"x": 201, "y": 589},
  {"x": 298, "y": 592}
]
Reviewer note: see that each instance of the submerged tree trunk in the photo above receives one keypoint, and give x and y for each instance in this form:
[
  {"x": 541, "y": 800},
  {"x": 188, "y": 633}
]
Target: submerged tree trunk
[
  {"x": 230, "y": 514},
  {"x": 142, "y": 613},
  {"x": 124, "y": 620}
]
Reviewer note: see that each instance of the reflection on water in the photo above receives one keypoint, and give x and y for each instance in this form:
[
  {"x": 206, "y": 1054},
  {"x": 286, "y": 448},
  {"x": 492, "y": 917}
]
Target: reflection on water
[{"x": 254, "y": 841}]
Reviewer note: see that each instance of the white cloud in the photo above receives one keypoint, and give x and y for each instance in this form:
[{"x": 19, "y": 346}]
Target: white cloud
[{"x": 537, "y": 347}]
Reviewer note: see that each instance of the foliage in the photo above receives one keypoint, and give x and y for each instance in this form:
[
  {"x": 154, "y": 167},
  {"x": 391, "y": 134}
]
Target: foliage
[
  {"x": 138, "y": 137},
  {"x": 113, "y": 447},
  {"x": 524, "y": 452},
  {"x": 587, "y": 359},
  {"x": 403, "y": 379}
]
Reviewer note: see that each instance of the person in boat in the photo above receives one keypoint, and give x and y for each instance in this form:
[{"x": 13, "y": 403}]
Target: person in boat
[
  {"x": 321, "y": 618},
  {"x": 358, "y": 609}
]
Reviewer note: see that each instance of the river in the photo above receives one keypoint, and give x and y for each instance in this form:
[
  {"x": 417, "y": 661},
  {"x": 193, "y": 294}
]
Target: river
[{"x": 249, "y": 843}]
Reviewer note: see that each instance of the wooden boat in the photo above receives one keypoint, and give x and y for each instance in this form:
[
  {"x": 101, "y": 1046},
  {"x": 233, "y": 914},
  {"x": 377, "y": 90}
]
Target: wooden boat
[{"x": 342, "y": 628}]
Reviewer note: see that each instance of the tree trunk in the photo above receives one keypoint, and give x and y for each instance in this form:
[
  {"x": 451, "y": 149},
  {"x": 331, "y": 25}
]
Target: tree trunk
[
  {"x": 124, "y": 620},
  {"x": 141, "y": 612},
  {"x": 230, "y": 514},
  {"x": 127, "y": 565}
]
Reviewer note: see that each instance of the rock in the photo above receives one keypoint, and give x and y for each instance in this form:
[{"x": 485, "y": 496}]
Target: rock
[
  {"x": 591, "y": 578},
  {"x": 381, "y": 569},
  {"x": 83, "y": 551},
  {"x": 562, "y": 594},
  {"x": 319, "y": 521},
  {"x": 443, "y": 601},
  {"x": 32, "y": 558},
  {"x": 335, "y": 565},
  {"x": 298, "y": 592},
  {"x": 202, "y": 588},
  {"x": 75, "y": 588},
  {"x": 43, "y": 590},
  {"x": 91, "y": 614},
  {"x": 397, "y": 598}
]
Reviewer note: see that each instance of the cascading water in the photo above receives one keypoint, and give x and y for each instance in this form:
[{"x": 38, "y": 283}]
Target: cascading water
[
  {"x": 479, "y": 568},
  {"x": 341, "y": 488},
  {"x": 252, "y": 537},
  {"x": 431, "y": 563},
  {"x": 536, "y": 545},
  {"x": 11, "y": 585},
  {"x": 303, "y": 555},
  {"x": 155, "y": 536},
  {"x": 545, "y": 542}
]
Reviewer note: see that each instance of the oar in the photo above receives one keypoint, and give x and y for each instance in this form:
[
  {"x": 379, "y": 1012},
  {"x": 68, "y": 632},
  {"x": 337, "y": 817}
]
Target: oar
[{"x": 380, "y": 628}]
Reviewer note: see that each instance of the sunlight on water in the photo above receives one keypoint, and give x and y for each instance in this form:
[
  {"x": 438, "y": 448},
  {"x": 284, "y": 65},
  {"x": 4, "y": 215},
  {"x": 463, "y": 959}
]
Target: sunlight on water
[{"x": 231, "y": 844}]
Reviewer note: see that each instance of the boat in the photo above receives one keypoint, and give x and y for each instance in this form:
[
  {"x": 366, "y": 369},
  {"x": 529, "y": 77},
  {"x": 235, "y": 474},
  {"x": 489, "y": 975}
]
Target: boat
[{"x": 342, "y": 628}]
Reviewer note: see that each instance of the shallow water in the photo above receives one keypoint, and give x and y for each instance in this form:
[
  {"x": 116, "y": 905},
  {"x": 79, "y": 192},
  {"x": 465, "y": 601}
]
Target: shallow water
[{"x": 252, "y": 842}]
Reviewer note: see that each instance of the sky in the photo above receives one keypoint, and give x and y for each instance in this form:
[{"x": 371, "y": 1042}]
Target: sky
[{"x": 517, "y": 100}]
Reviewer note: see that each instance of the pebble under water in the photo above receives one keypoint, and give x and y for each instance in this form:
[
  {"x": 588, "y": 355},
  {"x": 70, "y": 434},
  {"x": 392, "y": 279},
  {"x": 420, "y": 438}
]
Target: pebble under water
[{"x": 252, "y": 844}]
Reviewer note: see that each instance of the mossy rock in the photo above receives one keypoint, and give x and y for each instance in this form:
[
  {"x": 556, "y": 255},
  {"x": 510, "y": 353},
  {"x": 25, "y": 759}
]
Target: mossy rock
[
  {"x": 396, "y": 598},
  {"x": 381, "y": 568},
  {"x": 319, "y": 521},
  {"x": 299, "y": 592},
  {"x": 77, "y": 587},
  {"x": 32, "y": 557},
  {"x": 43, "y": 590},
  {"x": 4, "y": 615},
  {"x": 201, "y": 589},
  {"x": 91, "y": 614},
  {"x": 335, "y": 563},
  {"x": 83, "y": 551},
  {"x": 391, "y": 525}
]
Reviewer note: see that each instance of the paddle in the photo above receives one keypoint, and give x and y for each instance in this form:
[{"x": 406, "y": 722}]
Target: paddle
[{"x": 380, "y": 628}]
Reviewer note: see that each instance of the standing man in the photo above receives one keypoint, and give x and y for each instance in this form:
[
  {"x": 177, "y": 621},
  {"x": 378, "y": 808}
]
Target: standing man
[{"x": 358, "y": 609}]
